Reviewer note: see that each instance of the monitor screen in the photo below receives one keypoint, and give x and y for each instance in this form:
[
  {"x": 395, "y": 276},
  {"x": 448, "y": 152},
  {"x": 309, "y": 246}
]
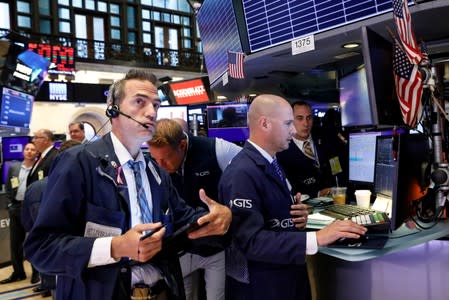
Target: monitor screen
[
  {"x": 228, "y": 122},
  {"x": 402, "y": 168},
  {"x": 378, "y": 55},
  {"x": 354, "y": 100},
  {"x": 362, "y": 155},
  {"x": 172, "y": 111},
  {"x": 16, "y": 107},
  {"x": 189, "y": 92},
  {"x": 12, "y": 147}
]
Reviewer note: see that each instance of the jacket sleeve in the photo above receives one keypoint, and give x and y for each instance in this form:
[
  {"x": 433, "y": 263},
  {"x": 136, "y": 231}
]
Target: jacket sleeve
[
  {"x": 246, "y": 189},
  {"x": 56, "y": 245}
]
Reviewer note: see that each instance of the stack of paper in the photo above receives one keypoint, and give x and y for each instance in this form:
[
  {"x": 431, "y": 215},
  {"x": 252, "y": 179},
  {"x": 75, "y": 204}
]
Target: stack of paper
[{"x": 318, "y": 220}]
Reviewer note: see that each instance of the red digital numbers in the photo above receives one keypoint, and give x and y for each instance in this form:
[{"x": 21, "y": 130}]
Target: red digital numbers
[{"x": 62, "y": 57}]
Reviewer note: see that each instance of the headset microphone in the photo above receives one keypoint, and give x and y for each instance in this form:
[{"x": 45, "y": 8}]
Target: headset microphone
[{"x": 113, "y": 111}]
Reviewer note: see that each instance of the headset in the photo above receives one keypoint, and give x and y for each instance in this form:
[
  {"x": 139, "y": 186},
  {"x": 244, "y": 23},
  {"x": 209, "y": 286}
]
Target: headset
[{"x": 113, "y": 111}]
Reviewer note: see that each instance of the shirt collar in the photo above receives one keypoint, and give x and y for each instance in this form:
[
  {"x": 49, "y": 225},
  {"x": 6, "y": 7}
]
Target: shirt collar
[
  {"x": 122, "y": 153},
  {"x": 262, "y": 152},
  {"x": 300, "y": 143}
]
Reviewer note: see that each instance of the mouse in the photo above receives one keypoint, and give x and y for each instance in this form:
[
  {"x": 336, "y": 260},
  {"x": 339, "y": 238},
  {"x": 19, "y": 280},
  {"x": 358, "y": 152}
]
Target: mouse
[{"x": 352, "y": 241}]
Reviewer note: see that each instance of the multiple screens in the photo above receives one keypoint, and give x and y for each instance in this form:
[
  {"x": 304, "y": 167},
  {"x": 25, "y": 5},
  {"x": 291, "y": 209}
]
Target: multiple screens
[
  {"x": 15, "y": 108},
  {"x": 400, "y": 172},
  {"x": 362, "y": 154},
  {"x": 226, "y": 121},
  {"x": 367, "y": 95},
  {"x": 395, "y": 166}
]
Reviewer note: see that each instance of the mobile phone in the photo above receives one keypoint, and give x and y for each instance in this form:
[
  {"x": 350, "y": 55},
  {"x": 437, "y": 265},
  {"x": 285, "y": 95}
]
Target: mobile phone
[{"x": 151, "y": 232}]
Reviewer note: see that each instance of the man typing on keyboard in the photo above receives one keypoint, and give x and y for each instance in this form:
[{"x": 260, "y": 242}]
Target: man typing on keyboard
[{"x": 266, "y": 259}]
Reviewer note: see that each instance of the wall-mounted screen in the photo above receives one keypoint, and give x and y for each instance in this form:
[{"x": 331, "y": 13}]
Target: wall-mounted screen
[
  {"x": 172, "y": 111},
  {"x": 13, "y": 146},
  {"x": 228, "y": 121},
  {"x": 16, "y": 107},
  {"x": 189, "y": 92},
  {"x": 354, "y": 99}
]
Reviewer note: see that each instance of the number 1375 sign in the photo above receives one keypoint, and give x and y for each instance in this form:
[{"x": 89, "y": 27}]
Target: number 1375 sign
[{"x": 303, "y": 44}]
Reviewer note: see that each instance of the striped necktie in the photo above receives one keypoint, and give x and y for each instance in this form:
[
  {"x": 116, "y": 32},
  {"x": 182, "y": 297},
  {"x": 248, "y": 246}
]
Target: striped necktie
[
  {"x": 142, "y": 199},
  {"x": 307, "y": 149},
  {"x": 278, "y": 169}
]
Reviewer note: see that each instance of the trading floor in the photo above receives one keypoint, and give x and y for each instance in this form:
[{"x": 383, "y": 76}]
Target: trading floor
[{"x": 18, "y": 290}]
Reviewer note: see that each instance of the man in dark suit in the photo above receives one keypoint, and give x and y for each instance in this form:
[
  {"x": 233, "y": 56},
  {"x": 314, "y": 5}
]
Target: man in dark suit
[
  {"x": 43, "y": 140},
  {"x": 15, "y": 191},
  {"x": 266, "y": 259},
  {"x": 303, "y": 162},
  {"x": 103, "y": 197}
]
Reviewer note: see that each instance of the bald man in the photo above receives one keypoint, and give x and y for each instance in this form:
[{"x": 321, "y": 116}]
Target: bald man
[{"x": 267, "y": 257}]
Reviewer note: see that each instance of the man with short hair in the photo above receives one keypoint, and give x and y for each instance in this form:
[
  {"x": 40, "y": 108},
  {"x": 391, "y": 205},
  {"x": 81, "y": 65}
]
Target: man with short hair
[
  {"x": 303, "y": 162},
  {"x": 104, "y": 197},
  {"x": 16, "y": 186},
  {"x": 76, "y": 131},
  {"x": 267, "y": 256},
  {"x": 193, "y": 163}
]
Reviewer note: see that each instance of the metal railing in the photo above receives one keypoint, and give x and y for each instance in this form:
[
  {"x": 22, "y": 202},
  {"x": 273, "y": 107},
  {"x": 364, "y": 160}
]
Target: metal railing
[{"x": 123, "y": 54}]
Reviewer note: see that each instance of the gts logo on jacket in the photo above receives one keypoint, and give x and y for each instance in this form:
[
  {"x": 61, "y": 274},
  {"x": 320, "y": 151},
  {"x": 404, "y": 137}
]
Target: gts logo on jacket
[
  {"x": 202, "y": 173},
  {"x": 284, "y": 223},
  {"x": 242, "y": 203}
]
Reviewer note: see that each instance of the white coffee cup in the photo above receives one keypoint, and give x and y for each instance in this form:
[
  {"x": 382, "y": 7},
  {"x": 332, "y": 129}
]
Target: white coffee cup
[{"x": 363, "y": 198}]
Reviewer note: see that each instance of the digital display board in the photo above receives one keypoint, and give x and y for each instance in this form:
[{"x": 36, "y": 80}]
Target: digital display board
[
  {"x": 62, "y": 58},
  {"x": 270, "y": 23},
  {"x": 217, "y": 25},
  {"x": 189, "y": 92},
  {"x": 16, "y": 107}
]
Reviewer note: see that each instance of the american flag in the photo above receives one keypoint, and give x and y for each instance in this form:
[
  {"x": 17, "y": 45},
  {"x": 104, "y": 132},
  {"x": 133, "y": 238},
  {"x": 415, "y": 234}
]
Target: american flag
[
  {"x": 404, "y": 27},
  {"x": 235, "y": 64},
  {"x": 409, "y": 86}
]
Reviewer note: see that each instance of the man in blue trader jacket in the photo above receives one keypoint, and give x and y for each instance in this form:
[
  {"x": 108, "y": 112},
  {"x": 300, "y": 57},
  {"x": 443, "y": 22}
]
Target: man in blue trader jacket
[
  {"x": 100, "y": 200},
  {"x": 267, "y": 257}
]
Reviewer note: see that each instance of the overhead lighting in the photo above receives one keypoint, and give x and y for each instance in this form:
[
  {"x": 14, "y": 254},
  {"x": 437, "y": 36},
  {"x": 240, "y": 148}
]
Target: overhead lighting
[
  {"x": 351, "y": 45},
  {"x": 195, "y": 5}
]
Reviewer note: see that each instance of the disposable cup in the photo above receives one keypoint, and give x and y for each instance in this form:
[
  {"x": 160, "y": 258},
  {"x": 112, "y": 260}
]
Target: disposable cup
[
  {"x": 338, "y": 194},
  {"x": 363, "y": 198}
]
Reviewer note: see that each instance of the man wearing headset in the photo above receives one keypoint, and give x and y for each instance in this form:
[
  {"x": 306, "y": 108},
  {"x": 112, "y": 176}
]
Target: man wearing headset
[{"x": 89, "y": 231}]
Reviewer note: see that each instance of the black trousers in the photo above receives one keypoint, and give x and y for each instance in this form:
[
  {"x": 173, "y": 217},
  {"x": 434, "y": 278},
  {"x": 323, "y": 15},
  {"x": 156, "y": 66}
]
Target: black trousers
[{"x": 17, "y": 237}]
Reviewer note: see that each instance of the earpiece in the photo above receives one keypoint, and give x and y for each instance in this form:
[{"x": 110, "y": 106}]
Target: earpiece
[{"x": 112, "y": 111}]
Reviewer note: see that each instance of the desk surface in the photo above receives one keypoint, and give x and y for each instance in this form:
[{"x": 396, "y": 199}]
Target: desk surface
[{"x": 401, "y": 238}]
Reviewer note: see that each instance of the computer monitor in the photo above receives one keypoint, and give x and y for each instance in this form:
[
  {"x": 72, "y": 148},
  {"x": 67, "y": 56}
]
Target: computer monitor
[
  {"x": 354, "y": 100},
  {"x": 16, "y": 107},
  {"x": 172, "y": 111},
  {"x": 228, "y": 121},
  {"x": 401, "y": 173},
  {"x": 13, "y": 146},
  {"x": 362, "y": 155}
]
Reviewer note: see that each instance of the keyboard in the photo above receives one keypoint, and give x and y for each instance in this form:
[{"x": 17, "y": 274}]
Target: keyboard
[{"x": 375, "y": 221}]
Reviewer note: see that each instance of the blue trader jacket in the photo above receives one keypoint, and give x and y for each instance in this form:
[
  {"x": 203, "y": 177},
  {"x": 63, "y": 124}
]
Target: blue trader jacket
[
  {"x": 267, "y": 251},
  {"x": 86, "y": 185}
]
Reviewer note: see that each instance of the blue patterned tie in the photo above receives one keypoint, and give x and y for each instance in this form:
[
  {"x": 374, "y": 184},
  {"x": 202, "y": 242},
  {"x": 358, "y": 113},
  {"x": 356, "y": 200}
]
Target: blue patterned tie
[
  {"x": 278, "y": 169},
  {"x": 142, "y": 199}
]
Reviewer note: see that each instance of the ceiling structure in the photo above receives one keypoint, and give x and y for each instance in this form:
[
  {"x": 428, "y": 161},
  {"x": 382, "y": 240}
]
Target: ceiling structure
[{"x": 313, "y": 75}]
